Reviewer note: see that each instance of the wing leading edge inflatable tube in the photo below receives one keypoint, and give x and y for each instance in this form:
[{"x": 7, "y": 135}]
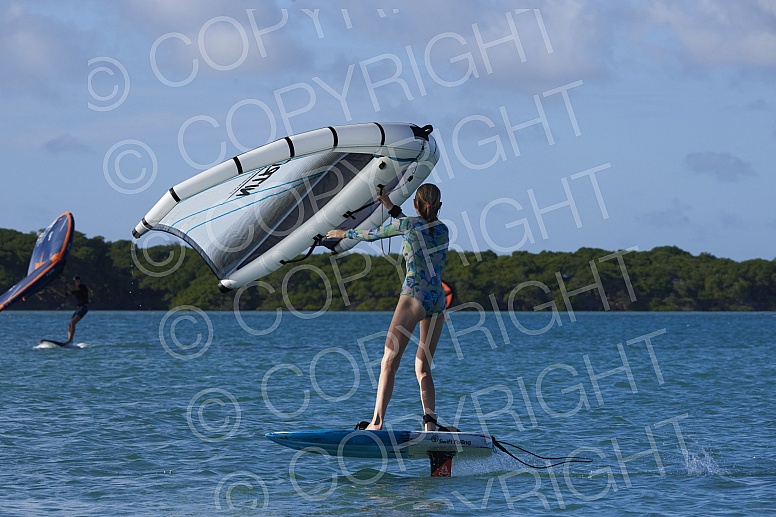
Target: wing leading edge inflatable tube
[
  {"x": 249, "y": 215},
  {"x": 47, "y": 262}
]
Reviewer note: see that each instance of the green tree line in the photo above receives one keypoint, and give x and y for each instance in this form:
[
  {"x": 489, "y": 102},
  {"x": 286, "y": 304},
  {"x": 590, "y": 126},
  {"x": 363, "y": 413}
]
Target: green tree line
[{"x": 124, "y": 277}]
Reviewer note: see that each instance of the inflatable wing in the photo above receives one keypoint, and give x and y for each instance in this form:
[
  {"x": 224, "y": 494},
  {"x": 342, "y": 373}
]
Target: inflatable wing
[
  {"x": 250, "y": 215},
  {"x": 47, "y": 262}
]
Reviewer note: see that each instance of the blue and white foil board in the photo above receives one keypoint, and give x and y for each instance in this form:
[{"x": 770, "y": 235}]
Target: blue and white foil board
[{"x": 385, "y": 444}]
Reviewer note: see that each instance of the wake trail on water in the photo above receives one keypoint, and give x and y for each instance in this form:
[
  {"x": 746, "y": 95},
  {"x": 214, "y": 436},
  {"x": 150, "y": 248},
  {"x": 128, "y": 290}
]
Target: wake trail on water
[
  {"x": 696, "y": 463},
  {"x": 701, "y": 463},
  {"x": 498, "y": 464},
  {"x": 48, "y": 345}
]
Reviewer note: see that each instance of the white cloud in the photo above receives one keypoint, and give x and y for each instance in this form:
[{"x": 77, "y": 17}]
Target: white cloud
[
  {"x": 714, "y": 33},
  {"x": 66, "y": 143},
  {"x": 216, "y": 38},
  {"x": 675, "y": 216},
  {"x": 731, "y": 220},
  {"x": 35, "y": 51},
  {"x": 723, "y": 166}
]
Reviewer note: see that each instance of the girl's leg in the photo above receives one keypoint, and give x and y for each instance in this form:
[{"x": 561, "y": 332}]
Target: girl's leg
[
  {"x": 430, "y": 329},
  {"x": 408, "y": 312}
]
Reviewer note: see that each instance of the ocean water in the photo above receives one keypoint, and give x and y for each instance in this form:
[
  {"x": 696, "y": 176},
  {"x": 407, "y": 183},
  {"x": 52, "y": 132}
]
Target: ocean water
[{"x": 154, "y": 413}]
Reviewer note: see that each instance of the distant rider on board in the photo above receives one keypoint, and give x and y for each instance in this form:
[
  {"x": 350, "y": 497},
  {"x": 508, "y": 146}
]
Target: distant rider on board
[{"x": 81, "y": 293}]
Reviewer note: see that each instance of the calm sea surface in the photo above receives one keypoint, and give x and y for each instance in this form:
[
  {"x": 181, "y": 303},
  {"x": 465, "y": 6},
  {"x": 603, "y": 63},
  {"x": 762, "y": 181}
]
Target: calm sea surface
[{"x": 165, "y": 414}]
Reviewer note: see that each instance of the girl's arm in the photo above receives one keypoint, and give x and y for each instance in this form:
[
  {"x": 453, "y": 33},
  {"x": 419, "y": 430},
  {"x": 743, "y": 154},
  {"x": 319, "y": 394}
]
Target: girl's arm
[
  {"x": 381, "y": 232},
  {"x": 393, "y": 210},
  {"x": 396, "y": 227}
]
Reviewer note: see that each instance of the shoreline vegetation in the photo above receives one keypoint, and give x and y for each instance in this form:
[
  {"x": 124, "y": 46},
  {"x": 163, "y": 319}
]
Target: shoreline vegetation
[{"x": 124, "y": 277}]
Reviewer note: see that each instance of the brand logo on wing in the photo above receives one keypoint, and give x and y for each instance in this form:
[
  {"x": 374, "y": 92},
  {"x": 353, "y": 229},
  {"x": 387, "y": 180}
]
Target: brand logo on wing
[{"x": 255, "y": 180}]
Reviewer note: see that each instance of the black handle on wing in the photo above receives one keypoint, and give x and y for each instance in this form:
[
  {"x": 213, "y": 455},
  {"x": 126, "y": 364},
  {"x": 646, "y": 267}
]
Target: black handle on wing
[
  {"x": 316, "y": 242},
  {"x": 351, "y": 213}
]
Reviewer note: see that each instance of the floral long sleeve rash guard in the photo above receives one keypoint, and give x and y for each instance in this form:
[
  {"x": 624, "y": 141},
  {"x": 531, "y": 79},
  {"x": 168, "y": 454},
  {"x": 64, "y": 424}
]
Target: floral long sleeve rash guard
[{"x": 424, "y": 246}]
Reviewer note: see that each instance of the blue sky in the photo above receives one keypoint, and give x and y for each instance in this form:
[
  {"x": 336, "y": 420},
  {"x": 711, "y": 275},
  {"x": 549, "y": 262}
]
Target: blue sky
[{"x": 659, "y": 123}]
